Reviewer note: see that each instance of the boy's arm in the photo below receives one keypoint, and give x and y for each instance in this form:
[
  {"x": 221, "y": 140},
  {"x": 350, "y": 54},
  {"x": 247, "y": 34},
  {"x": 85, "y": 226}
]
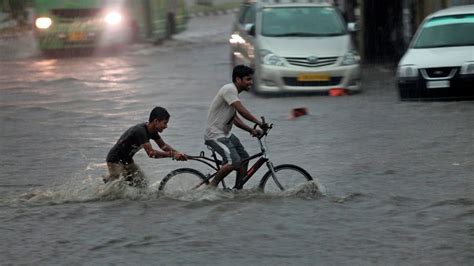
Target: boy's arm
[
  {"x": 245, "y": 113},
  {"x": 152, "y": 153},
  {"x": 240, "y": 124},
  {"x": 172, "y": 152}
]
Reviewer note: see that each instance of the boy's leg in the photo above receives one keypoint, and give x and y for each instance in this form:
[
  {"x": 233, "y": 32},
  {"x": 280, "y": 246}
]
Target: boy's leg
[
  {"x": 224, "y": 148},
  {"x": 241, "y": 173},
  {"x": 134, "y": 176},
  {"x": 243, "y": 154},
  {"x": 223, "y": 172},
  {"x": 115, "y": 169}
]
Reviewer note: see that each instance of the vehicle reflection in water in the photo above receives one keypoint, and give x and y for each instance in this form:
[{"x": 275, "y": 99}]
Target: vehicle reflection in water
[{"x": 48, "y": 68}]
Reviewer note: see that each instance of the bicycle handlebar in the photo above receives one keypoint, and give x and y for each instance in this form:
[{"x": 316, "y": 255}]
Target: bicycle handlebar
[
  {"x": 265, "y": 128},
  {"x": 200, "y": 156}
]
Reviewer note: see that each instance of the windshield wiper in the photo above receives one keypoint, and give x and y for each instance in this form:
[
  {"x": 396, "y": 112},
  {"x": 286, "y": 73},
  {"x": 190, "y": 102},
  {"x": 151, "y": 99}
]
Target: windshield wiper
[
  {"x": 297, "y": 34},
  {"x": 442, "y": 46},
  {"x": 305, "y": 34}
]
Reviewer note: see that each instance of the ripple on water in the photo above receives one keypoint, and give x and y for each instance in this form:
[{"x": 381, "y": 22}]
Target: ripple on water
[{"x": 93, "y": 189}]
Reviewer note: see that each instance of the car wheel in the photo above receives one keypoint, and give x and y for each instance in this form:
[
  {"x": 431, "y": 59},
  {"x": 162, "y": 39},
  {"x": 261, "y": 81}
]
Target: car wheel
[
  {"x": 232, "y": 61},
  {"x": 170, "y": 25},
  {"x": 134, "y": 32},
  {"x": 255, "y": 85},
  {"x": 406, "y": 94}
]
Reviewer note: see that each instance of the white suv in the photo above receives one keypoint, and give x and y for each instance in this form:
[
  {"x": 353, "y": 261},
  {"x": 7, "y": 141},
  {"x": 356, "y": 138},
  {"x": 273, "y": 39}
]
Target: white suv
[
  {"x": 295, "y": 46},
  {"x": 440, "y": 60}
]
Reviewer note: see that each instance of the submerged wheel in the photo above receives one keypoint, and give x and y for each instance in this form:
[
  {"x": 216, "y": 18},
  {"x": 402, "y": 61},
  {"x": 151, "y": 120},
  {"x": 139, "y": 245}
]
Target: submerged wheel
[
  {"x": 170, "y": 25},
  {"x": 287, "y": 176},
  {"x": 182, "y": 180}
]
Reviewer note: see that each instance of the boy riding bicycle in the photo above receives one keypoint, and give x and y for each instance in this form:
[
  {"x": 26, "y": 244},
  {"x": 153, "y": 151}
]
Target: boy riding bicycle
[{"x": 221, "y": 116}]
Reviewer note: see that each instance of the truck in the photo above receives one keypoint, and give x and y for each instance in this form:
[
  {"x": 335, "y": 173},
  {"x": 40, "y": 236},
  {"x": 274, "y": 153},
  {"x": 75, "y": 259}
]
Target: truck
[{"x": 69, "y": 24}]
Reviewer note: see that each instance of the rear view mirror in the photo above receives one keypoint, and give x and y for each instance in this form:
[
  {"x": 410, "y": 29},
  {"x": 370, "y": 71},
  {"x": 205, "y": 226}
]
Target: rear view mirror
[
  {"x": 250, "y": 29},
  {"x": 352, "y": 27}
]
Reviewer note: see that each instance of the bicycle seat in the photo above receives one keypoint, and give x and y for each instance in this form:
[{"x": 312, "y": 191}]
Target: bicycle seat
[{"x": 214, "y": 154}]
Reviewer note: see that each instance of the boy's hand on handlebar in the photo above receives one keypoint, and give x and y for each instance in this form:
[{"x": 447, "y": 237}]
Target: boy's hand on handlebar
[
  {"x": 256, "y": 132},
  {"x": 264, "y": 126},
  {"x": 179, "y": 156}
]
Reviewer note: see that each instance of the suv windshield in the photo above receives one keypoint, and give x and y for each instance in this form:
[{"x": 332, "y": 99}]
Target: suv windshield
[
  {"x": 446, "y": 32},
  {"x": 301, "y": 21}
]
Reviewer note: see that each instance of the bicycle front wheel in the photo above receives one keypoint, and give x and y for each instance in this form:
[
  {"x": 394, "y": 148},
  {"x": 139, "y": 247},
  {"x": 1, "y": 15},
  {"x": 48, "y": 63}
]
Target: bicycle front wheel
[
  {"x": 286, "y": 176},
  {"x": 183, "y": 180}
]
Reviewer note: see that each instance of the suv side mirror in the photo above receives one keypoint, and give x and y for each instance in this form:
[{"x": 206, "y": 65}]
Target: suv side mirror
[
  {"x": 352, "y": 27},
  {"x": 250, "y": 29}
]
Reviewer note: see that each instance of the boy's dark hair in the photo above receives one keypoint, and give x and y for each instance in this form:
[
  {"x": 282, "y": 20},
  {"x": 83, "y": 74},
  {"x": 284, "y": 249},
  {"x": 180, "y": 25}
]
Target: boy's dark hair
[
  {"x": 241, "y": 71},
  {"x": 159, "y": 113}
]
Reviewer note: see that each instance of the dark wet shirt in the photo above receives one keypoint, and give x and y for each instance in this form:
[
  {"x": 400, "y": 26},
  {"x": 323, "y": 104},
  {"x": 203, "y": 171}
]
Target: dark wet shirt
[{"x": 129, "y": 143}]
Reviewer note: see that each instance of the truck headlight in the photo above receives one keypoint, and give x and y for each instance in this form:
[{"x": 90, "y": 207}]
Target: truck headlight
[
  {"x": 407, "y": 71},
  {"x": 43, "y": 23},
  {"x": 113, "y": 18},
  {"x": 467, "y": 68},
  {"x": 269, "y": 58}
]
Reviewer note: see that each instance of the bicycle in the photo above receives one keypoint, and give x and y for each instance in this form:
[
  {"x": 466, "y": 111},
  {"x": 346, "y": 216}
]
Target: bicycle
[{"x": 277, "y": 178}]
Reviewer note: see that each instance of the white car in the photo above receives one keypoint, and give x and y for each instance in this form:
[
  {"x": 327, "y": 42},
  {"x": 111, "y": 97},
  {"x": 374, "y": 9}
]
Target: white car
[
  {"x": 440, "y": 60},
  {"x": 296, "y": 46}
]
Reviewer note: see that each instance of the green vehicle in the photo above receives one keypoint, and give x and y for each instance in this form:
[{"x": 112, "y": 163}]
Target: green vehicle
[{"x": 65, "y": 24}]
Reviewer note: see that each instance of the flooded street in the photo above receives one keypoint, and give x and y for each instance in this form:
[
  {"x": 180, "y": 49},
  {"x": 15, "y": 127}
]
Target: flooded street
[{"x": 396, "y": 177}]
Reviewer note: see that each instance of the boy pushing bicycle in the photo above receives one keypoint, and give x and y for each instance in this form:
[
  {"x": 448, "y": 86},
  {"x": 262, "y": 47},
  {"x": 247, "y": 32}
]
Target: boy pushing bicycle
[{"x": 120, "y": 158}]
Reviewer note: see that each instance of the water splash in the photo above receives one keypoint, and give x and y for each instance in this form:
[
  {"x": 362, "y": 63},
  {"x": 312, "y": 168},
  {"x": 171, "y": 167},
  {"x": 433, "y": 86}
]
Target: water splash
[
  {"x": 93, "y": 190},
  {"x": 81, "y": 192},
  {"x": 309, "y": 190},
  {"x": 349, "y": 197}
]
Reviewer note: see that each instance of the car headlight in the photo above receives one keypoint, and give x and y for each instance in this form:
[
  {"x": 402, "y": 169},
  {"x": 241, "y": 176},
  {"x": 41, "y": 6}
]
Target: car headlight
[
  {"x": 113, "y": 18},
  {"x": 407, "y": 71},
  {"x": 43, "y": 23},
  {"x": 351, "y": 58},
  {"x": 467, "y": 68},
  {"x": 236, "y": 39},
  {"x": 269, "y": 58}
]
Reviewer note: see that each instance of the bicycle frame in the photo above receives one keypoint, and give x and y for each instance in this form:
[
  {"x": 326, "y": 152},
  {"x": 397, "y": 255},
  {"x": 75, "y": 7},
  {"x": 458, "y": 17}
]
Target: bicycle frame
[{"x": 250, "y": 172}]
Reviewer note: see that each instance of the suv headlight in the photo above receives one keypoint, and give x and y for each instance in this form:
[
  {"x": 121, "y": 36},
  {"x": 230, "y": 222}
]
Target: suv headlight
[
  {"x": 467, "y": 68},
  {"x": 351, "y": 58},
  {"x": 407, "y": 71},
  {"x": 269, "y": 58}
]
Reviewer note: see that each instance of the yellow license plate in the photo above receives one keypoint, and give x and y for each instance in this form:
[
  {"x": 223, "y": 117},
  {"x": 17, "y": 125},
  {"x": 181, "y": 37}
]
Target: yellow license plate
[
  {"x": 76, "y": 36},
  {"x": 313, "y": 77}
]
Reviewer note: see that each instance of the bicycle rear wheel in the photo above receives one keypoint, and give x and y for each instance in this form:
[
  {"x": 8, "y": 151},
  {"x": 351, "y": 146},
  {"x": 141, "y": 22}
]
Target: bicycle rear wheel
[
  {"x": 287, "y": 176},
  {"x": 182, "y": 180}
]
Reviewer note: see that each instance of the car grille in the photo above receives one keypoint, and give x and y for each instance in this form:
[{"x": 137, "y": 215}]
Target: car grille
[
  {"x": 306, "y": 62},
  {"x": 439, "y": 72},
  {"x": 66, "y": 15},
  {"x": 294, "y": 82}
]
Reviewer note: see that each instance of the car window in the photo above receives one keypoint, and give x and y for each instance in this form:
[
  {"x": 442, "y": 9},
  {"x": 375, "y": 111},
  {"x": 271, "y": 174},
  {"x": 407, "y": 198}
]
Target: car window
[
  {"x": 247, "y": 15},
  {"x": 446, "y": 31},
  {"x": 302, "y": 21}
]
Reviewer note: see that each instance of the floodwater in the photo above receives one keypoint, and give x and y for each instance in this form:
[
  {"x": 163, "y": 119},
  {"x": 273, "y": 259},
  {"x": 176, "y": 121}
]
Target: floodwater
[{"x": 395, "y": 179}]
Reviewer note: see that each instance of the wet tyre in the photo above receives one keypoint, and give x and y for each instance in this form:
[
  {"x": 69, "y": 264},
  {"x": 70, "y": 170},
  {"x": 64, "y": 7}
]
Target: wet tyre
[
  {"x": 183, "y": 180},
  {"x": 287, "y": 176},
  {"x": 170, "y": 25}
]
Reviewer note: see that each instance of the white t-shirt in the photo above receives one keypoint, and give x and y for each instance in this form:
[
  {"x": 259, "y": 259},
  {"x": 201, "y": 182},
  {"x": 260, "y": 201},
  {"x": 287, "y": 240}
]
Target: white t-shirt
[{"x": 221, "y": 114}]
